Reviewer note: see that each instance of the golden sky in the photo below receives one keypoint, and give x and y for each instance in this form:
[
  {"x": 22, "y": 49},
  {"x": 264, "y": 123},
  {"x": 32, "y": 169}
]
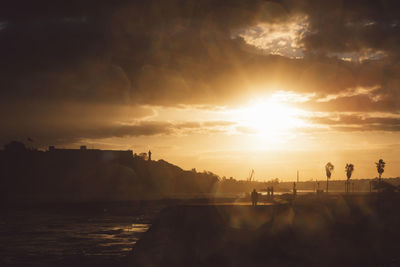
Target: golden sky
[{"x": 224, "y": 86}]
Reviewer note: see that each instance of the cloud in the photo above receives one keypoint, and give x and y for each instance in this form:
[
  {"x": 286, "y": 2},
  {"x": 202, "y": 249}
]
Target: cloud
[
  {"x": 171, "y": 53},
  {"x": 369, "y": 99},
  {"x": 246, "y": 130},
  {"x": 356, "y": 122},
  {"x": 218, "y": 123},
  {"x": 277, "y": 38},
  {"x": 70, "y": 130},
  {"x": 351, "y": 26}
]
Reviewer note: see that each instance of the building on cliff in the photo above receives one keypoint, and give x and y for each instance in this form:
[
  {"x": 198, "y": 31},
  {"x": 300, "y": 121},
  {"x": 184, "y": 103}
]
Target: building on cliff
[{"x": 98, "y": 154}]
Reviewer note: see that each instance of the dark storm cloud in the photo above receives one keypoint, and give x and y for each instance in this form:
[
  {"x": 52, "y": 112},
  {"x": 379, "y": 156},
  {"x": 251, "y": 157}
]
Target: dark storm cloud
[
  {"x": 350, "y": 26},
  {"x": 185, "y": 52},
  {"x": 129, "y": 51},
  {"x": 355, "y": 29},
  {"x": 174, "y": 52}
]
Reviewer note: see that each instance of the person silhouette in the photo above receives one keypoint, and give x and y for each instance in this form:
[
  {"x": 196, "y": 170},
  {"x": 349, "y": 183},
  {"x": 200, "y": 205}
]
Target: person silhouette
[
  {"x": 254, "y": 197},
  {"x": 294, "y": 189}
]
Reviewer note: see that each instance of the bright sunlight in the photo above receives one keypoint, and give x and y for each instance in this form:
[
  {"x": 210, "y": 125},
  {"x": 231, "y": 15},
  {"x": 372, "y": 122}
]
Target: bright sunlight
[{"x": 268, "y": 116}]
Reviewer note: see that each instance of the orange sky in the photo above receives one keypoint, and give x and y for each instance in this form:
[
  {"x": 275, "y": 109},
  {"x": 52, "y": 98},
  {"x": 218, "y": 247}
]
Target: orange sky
[{"x": 275, "y": 142}]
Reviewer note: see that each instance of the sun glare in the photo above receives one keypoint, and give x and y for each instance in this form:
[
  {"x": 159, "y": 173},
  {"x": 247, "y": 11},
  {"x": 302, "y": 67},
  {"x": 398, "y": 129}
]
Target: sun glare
[{"x": 268, "y": 116}]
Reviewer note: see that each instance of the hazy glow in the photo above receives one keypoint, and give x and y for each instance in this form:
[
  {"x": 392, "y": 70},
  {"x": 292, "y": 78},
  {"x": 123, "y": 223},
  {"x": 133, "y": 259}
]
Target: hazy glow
[
  {"x": 269, "y": 134},
  {"x": 268, "y": 117}
]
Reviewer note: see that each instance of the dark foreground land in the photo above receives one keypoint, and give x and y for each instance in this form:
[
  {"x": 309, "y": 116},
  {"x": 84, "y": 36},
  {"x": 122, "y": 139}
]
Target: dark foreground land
[{"x": 327, "y": 231}]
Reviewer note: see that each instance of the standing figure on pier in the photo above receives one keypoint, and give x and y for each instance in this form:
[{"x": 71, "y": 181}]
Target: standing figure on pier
[
  {"x": 294, "y": 189},
  {"x": 254, "y": 197}
]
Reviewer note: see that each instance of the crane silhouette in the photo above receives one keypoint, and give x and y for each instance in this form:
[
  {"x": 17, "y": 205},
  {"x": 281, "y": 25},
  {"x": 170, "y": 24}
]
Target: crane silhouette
[{"x": 251, "y": 176}]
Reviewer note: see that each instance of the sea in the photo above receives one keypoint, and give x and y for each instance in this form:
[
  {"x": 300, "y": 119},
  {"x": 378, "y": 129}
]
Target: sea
[{"x": 78, "y": 235}]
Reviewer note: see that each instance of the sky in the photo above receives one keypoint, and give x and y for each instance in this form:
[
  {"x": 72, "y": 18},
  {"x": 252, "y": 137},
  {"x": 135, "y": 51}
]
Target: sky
[{"x": 223, "y": 86}]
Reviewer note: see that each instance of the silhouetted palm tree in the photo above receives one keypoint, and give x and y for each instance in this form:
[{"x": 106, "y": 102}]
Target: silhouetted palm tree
[
  {"x": 380, "y": 167},
  {"x": 349, "y": 171},
  {"x": 329, "y": 169}
]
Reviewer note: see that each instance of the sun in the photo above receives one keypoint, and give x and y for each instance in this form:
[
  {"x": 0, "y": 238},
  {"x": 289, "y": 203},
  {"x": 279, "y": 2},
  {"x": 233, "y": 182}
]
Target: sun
[{"x": 268, "y": 116}]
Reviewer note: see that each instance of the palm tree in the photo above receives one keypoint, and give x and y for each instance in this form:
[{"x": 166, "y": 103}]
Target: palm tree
[
  {"x": 329, "y": 169},
  {"x": 349, "y": 171},
  {"x": 380, "y": 167}
]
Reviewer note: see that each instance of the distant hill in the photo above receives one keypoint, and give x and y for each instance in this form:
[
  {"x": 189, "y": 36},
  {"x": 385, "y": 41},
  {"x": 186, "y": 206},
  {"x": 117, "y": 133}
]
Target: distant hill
[{"x": 93, "y": 175}]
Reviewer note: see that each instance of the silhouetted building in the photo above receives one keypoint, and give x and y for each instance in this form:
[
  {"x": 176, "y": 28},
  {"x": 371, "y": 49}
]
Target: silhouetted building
[
  {"x": 84, "y": 153},
  {"x": 149, "y": 155},
  {"x": 91, "y": 175}
]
